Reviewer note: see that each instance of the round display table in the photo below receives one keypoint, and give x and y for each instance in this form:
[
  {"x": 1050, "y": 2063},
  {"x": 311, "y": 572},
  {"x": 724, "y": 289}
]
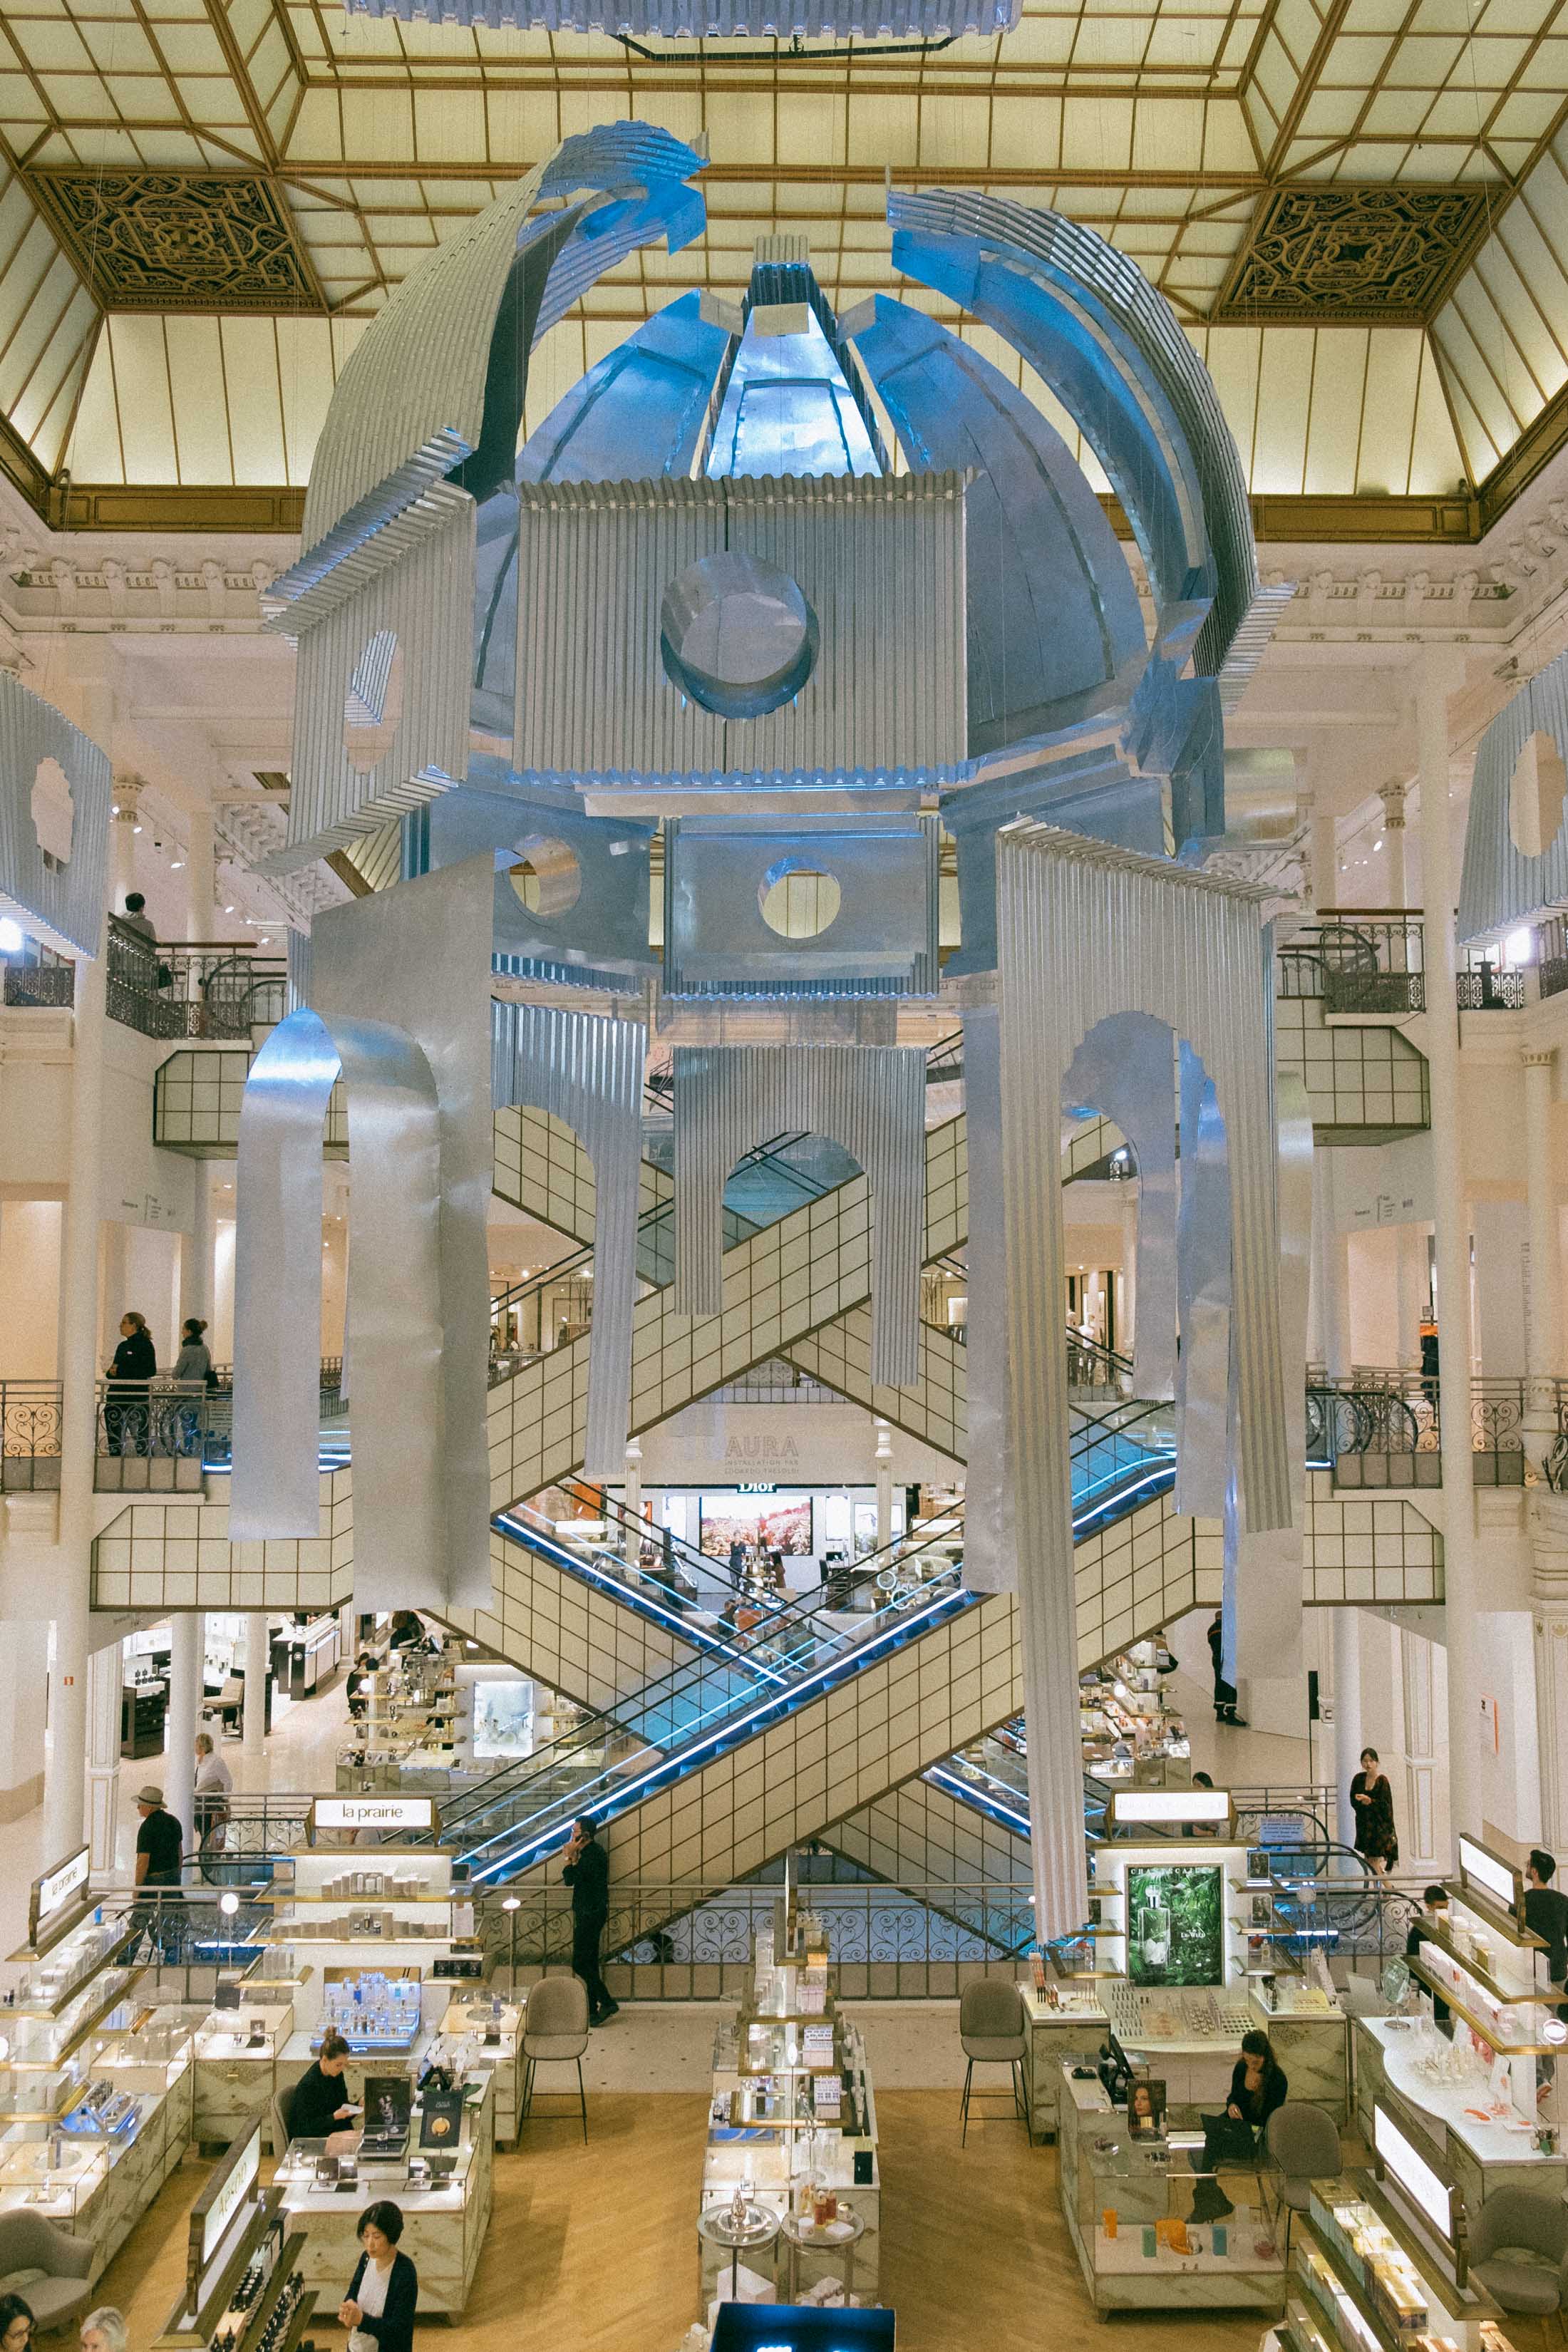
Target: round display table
[
  {"x": 753, "y": 2231},
  {"x": 832, "y": 2242}
]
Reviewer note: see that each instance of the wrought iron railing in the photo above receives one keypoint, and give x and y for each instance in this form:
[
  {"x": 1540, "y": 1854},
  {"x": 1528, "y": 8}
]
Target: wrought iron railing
[
  {"x": 1484, "y": 987},
  {"x": 1393, "y": 1416},
  {"x": 159, "y": 1438},
  {"x": 208, "y": 989},
  {"x": 1368, "y": 962},
  {"x": 33, "y": 976},
  {"x": 29, "y": 1437},
  {"x": 1551, "y": 955}
]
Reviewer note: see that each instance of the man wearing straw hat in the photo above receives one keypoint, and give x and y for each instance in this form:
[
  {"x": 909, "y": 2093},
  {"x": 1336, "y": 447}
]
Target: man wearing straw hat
[{"x": 158, "y": 1845}]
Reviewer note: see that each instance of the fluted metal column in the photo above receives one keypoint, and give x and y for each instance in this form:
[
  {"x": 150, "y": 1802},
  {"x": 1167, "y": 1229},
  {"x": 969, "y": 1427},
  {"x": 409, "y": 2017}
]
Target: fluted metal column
[
  {"x": 1432, "y": 679},
  {"x": 1544, "y": 1322}
]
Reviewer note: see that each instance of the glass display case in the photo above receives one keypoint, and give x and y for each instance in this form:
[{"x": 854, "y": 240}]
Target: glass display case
[
  {"x": 1360, "y": 2280},
  {"x": 48, "y": 1984},
  {"x": 255, "y": 2030},
  {"x": 40, "y": 2093},
  {"x": 375, "y": 2009},
  {"x": 54, "y": 2176}
]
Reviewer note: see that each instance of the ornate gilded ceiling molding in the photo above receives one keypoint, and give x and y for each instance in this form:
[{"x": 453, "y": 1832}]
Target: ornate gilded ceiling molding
[
  {"x": 179, "y": 240},
  {"x": 1335, "y": 255}
]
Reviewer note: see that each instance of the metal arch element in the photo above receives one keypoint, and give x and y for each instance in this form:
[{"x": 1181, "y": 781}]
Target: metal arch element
[
  {"x": 1500, "y": 887},
  {"x": 1190, "y": 951},
  {"x": 395, "y": 1213},
  {"x": 1109, "y": 346},
  {"x": 61, "y": 901},
  {"x": 1125, "y": 1067},
  {"x": 1055, "y": 630},
  {"x": 589, "y": 1071},
  {"x": 427, "y": 371},
  {"x": 870, "y": 1099}
]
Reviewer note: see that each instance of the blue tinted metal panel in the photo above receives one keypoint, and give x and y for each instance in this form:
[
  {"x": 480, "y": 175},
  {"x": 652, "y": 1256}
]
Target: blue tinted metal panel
[
  {"x": 639, "y": 412},
  {"x": 59, "y": 900},
  {"x": 787, "y": 406},
  {"x": 1055, "y": 629},
  {"x": 1502, "y": 886},
  {"x": 601, "y": 937}
]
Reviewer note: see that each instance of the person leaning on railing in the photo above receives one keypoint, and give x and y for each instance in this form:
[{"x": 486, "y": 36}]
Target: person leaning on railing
[
  {"x": 192, "y": 1373},
  {"x": 129, "y": 1375}
]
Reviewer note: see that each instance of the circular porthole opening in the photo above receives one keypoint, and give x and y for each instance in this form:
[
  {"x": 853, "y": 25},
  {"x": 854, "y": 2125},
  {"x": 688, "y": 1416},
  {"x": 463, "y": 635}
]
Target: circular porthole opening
[
  {"x": 736, "y": 635},
  {"x": 1536, "y": 793},
  {"x": 798, "y": 900},
  {"x": 546, "y": 877}
]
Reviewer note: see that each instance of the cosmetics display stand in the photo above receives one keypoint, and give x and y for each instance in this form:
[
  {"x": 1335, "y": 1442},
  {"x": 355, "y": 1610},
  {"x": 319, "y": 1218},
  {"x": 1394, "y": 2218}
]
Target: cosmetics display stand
[{"x": 243, "y": 2290}]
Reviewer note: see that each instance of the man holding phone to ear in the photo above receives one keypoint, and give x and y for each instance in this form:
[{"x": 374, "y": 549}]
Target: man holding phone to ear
[{"x": 587, "y": 1871}]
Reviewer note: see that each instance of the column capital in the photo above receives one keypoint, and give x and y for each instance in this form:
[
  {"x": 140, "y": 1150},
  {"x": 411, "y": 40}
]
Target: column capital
[
  {"x": 1538, "y": 1057},
  {"x": 1391, "y": 795}
]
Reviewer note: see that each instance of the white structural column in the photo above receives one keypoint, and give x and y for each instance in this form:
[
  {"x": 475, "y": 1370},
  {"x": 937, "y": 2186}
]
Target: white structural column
[
  {"x": 187, "y": 1646},
  {"x": 256, "y": 1666},
  {"x": 198, "y": 1251},
  {"x": 1549, "y": 1617},
  {"x": 884, "y": 1485},
  {"x": 1330, "y": 1270},
  {"x": 69, "y": 1601},
  {"x": 199, "y": 875},
  {"x": 1349, "y": 1739},
  {"x": 122, "y": 839},
  {"x": 1434, "y": 673},
  {"x": 1391, "y": 881},
  {"x": 105, "y": 1689},
  {"x": 632, "y": 1543},
  {"x": 1543, "y": 1321}
]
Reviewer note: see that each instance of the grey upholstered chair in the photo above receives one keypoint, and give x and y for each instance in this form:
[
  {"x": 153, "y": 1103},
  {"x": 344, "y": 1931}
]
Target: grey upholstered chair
[
  {"x": 1518, "y": 2243},
  {"x": 46, "y": 2266},
  {"x": 279, "y": 2106},
  {"x": 991, "y": 2032},
  {"x": 1303, "y": 2146},
  {"x": 555, "y": 2034}
]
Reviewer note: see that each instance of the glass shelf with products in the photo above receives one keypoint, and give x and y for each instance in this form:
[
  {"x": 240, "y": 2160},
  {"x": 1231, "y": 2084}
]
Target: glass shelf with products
[
  {"x": 374, "y": 2009},
  {"x": 54, "y": 2176},
  {"x": 50, "y": 1983},
  {"x": 41, "y": 2094},
  {"x": 257, "y": 2029},
  {"x": 1510, "y": 2025},
  {"x": 42, "y": 2039},
  {"x": 1359, "y": 2277}
]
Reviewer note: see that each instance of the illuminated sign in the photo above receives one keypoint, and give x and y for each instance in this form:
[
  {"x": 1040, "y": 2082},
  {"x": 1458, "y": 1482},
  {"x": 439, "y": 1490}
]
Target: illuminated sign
[
  {"x": 374, "y": 1813},
  {"x": 1168, "y": 1805},
  {"x": 57, "y": 1890},
  {"x": 1494, "y": 1876},
  {"x": 213, "y": 2214},
  {"x": 1404, "y": 2161}
]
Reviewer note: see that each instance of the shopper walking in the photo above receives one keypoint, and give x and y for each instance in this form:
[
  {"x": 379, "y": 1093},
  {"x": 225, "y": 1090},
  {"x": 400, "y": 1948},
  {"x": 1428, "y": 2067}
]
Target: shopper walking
[
  {"x": 1259, "y": 2084},
  {"x": 587, "y": 1873},
  {"x": 1371, "y": 1801},
  {"x": 158, "y": 1849},
  {"x": 1224, "y": 1692},
  {"x": 384, "y": 2293},
  {"x": 1432, "y": 1918},
  {"x": 129, "y": 1376},
  {"x": 214, "y": 1786}
]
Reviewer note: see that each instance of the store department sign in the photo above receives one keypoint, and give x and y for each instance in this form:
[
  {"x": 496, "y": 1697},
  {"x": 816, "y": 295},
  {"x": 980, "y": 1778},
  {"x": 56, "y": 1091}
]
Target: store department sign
[
  {"x": 58, "y": 1891},
  {"x": 376, "y": 1814},
  {"x": 213, "y": 2214},
  {"x": 757, "y": 1448}
]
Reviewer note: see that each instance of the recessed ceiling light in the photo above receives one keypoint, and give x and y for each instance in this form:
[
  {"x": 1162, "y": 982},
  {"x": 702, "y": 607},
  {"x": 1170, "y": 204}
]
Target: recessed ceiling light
[{"x": 175, "y": 864}]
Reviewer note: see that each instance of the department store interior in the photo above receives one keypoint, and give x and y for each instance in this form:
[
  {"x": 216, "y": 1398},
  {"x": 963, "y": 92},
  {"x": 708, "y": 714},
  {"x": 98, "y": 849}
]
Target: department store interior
[{"x": 789, "y": 790}]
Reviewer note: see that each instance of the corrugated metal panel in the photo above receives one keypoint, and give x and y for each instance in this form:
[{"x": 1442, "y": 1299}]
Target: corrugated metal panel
[
  {"x": 423, "y": 601},
  {"x": 870, "y": 1099},
  {"x": 60, "y": 902},
  {"x": 881, "y": 561},
  {"x": 589, "y": 1071},
  {"x": 1502, "y": 886},
  {"x": 1104, "y": 301},
  {"x": 422, "y": 368},
  {"x": 802, "y": 20},
  {"x": 1189, "y": 952}
]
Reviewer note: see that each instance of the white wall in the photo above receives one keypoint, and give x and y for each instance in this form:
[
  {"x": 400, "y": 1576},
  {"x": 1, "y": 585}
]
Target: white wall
[
  {"x": 30, "y": 1288},
  {"x": 1499, "y": 1230},
  {"x": 716, "y": 1444}
]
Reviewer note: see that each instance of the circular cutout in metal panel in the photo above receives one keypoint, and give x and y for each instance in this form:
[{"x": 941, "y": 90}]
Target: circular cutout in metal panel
[
  {"x": 737, "y": 635},
  {"x": 547, "y": 877},
  {"x": 798, "y": 900}
]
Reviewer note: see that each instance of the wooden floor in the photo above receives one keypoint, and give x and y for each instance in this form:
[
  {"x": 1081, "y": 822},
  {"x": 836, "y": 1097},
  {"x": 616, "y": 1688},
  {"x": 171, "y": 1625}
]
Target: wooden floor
[{"x": 593, "y": 2249}]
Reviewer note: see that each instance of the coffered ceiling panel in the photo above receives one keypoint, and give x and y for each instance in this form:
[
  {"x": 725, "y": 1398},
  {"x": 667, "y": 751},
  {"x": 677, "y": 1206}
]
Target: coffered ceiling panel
[{"x": 1354, "y": 206}]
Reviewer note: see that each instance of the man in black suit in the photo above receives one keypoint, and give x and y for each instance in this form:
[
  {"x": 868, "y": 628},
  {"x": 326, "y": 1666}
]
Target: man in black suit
[{"x": 587, "y": 1873}]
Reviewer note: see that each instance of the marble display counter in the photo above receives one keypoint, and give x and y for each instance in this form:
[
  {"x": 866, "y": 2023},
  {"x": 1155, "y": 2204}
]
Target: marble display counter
[
  {"x": 1129, "y": 2208},
  {"x": 1486, "y": 2154},
  {"x": 1055, "y": 2039},
  {"x": 236, "y": 2068},
  {"x": 98, "y": 2185},
  {"x": 444, "y": 2225},
  {"x": 486, "y": 2035}
]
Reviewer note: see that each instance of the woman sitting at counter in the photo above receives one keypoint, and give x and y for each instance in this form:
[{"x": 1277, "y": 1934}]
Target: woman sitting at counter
[
  {"x": 1257, "y": 2086},
  {"x": 319, "y": 2109},
  {"x": 383, "y": 2292}
]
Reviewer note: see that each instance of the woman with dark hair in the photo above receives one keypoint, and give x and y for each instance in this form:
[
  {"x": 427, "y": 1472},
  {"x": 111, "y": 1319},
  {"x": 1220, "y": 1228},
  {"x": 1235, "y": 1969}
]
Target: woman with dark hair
[
  {"x": 383, "y": 2292},
  {"x": 17, "y": 2324},
  {"x": 129, "y": 1378},
  {"x": 321, "y": 2108},
  {"x": 1257, "y": 2086},
  {"x": 1371, "y": 1801}
]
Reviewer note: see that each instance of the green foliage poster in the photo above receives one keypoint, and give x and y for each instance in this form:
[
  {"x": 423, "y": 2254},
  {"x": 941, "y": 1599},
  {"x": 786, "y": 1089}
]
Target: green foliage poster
[{"x": 1174, "y": 1924}]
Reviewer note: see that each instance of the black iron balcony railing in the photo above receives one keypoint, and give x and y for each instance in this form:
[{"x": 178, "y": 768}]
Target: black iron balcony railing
[
  {"x": 29, "y": 1437},
  {"x": 210, "y": 989},
  {"x": 1370, "y": 963},
  {"x": 33, "y": 976}
]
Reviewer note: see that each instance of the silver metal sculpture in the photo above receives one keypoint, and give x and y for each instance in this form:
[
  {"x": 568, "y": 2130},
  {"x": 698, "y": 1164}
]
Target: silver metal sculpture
[
  {"x": 869, "y": 1099},
  {"x": 55, "y": 794},
  {"x": 1516, "y": 835},
  {"x": 587, "y": 1072},
  {"x": 1190, "y": 951},
  {"x": 727, "y": 20}
]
